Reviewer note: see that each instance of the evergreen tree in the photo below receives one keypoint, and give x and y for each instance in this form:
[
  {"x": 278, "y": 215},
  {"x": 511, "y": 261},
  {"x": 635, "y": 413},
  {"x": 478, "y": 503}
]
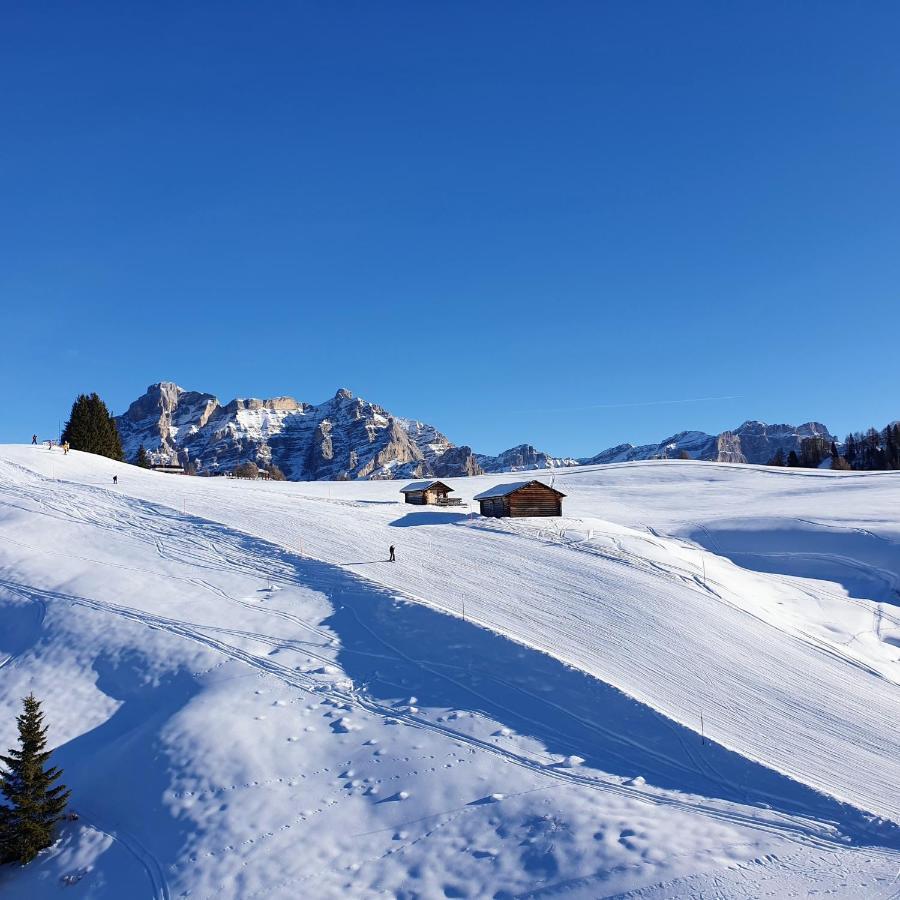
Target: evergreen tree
[
  {"x": 143, "y": 458},
  {"x": 35, "y": 805},
  {"x": 778, "y": 458},
  {"x": 793, "y": 460},
  {"x": 91, "y": 428},
  {"x": 850, "y": 449},
  {"x": 812, "y": 451}
]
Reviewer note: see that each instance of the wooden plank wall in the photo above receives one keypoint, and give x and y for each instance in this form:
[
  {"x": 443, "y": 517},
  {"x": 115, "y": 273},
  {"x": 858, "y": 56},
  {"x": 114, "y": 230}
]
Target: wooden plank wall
[{"x": 534, "y": 500}]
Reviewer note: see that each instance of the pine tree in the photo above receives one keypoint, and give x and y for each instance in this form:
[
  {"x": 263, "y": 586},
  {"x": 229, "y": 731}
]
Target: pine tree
[
  {"x": 793, "y": 460},
  {"x": 778, "y": 458},
  {"x": 143, "y": 458},
  {"x": 91, "y": 428},
  {"x": 35, "y": 804},
  {"x": 850, "y": 449}
]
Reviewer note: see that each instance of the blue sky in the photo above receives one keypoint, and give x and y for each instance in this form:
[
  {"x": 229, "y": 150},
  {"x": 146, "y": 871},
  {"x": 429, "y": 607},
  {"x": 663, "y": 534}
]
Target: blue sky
[{"x": 512, "y": 220}]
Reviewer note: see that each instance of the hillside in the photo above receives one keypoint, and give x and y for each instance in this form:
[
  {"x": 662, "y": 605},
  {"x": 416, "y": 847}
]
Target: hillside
[{"x": 248, "y": 701}]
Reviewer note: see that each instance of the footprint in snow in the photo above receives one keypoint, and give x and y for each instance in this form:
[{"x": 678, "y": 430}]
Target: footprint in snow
[{"x": 344, "y": 725}]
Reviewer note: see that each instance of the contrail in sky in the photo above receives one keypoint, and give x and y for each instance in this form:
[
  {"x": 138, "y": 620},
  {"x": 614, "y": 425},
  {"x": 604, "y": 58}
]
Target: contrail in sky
[{"x": 626, "y": 405}]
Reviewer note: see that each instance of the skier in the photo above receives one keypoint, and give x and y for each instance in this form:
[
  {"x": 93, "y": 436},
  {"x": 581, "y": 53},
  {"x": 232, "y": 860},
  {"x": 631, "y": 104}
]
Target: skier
[
  {"x": 115, "y": 479},
  {"x": 66, "y": 448},
  {"x": 49, "y": 445},
  {"x": 391, "y": 551},
  {"x": 34, "y": 439}
]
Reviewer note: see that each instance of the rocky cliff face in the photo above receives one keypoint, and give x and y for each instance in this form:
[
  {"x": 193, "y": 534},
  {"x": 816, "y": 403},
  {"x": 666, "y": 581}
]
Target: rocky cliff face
[
  {"x": 348, "y": 437},
  {"x": 522, "y": 457},
  {"x": 752, "y": 442},
  {"x": 344, "y": 437}
]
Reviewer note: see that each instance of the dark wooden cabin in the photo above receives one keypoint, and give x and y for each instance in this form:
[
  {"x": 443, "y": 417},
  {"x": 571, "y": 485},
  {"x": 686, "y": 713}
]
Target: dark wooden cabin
[
  {"x": 521, "y": 498},
  {"x": 170, "y": 468},
  {"x": 425, "y": 493}
]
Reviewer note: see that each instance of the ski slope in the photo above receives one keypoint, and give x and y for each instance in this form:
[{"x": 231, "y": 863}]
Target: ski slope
[{"x": 250, "y": 701}]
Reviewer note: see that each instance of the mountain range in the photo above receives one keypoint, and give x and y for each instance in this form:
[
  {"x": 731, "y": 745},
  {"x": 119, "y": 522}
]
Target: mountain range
[{"x": 347, "y": 437}]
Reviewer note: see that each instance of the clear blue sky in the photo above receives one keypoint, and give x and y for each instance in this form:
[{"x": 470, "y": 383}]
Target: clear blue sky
[{"x": 508, "y": 219}]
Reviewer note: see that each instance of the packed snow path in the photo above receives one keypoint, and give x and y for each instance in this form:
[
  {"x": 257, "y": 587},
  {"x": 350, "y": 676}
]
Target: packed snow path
[{"x": 632, "y": 608}]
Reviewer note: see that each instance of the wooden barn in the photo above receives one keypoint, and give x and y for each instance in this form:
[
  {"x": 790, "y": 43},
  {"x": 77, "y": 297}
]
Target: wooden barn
[
  {"x": 521, "y": 498},
  {"x": 170, "y": 468},
  {"x": 427, "y": 493}
]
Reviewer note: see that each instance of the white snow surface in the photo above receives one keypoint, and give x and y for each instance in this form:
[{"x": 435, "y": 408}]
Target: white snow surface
[{"x": 249, "y": 701}]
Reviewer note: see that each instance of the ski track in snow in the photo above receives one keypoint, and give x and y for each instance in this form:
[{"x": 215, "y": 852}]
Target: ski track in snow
[{"x": 624, "y": 605}]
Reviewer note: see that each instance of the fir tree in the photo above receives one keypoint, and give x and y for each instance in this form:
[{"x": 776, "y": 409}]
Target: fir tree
[
  {"x": 793, "y": 461},
  {"x": 778, "y": 458},
  {"x": 91, "y": 428},
  {"x": 35, "y": 805},
  {"x": 143, "y": 458}
]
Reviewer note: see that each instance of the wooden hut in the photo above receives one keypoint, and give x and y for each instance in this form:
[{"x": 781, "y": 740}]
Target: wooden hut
[
  {"x": 425, "y": 493},
  {"x": 521, "y": 498},
  {"x": 170, "y": 468}
]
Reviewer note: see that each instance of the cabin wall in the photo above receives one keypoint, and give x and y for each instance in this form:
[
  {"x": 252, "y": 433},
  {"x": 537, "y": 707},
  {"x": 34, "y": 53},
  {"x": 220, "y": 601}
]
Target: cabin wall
[
  {"x": 528, "y": 501},
  {"x": 417, "y": 498},
  {"x": 432, "y": 496},
  {"x": 495, "y": 507},
  {"x": 535, "y": 501}
]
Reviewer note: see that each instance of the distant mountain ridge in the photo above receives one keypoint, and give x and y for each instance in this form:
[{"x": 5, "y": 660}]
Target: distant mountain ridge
[
  {"x": 752, "y": 442},
  {"x": 347, "y": 437}
]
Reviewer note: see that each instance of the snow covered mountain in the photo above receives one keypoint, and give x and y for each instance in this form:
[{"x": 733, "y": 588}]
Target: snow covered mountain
[
  {"x": 752, "y": 442},
  {"x": 347, "y": 437},
  {"x": 344, "y": 437},
  {"x": 522, "y": 457}
]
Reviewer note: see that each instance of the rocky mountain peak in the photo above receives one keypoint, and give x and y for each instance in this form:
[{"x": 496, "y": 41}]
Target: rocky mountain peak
[{"x": 349, "y": 437}]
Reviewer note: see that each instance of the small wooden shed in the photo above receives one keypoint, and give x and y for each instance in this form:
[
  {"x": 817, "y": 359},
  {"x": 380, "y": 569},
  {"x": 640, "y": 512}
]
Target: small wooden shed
[
  {"x": 521, "y": 498},
  {"x": 425, "y": 493},
  {"x": 170, "y": 468}
]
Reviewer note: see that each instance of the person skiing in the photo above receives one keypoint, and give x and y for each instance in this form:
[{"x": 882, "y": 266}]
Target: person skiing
[
  {"x": 66, "y": 448},
  {"x": 115, "y": 479},
  {"x": 392, "y": 558},
  {"x": 49, "y": 445},
  {"x": 34, "y": 439}
]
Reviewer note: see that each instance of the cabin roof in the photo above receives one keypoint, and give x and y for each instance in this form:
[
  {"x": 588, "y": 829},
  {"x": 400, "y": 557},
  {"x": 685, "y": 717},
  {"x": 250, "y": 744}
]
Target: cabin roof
[
  {"x": 415, "y": 487},
  {"x": 504, "y": 490}
]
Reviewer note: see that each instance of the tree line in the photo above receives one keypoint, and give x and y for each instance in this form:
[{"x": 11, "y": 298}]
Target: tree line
[{"x": 872, "y": 450}]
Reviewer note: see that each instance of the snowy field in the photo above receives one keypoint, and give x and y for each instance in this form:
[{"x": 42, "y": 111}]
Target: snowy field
[{"x": 686, "y": 687}]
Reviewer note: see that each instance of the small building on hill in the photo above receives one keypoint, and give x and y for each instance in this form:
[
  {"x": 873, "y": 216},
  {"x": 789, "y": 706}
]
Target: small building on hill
[
  {"x": 170, "y": 468},
  {"x": 425, "y": 493},
  {"x": 521, "y": 498}
]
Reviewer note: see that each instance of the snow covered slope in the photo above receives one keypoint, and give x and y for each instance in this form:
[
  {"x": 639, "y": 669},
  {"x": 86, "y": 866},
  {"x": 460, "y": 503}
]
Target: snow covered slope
[{"x": 249, "y": 702}]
